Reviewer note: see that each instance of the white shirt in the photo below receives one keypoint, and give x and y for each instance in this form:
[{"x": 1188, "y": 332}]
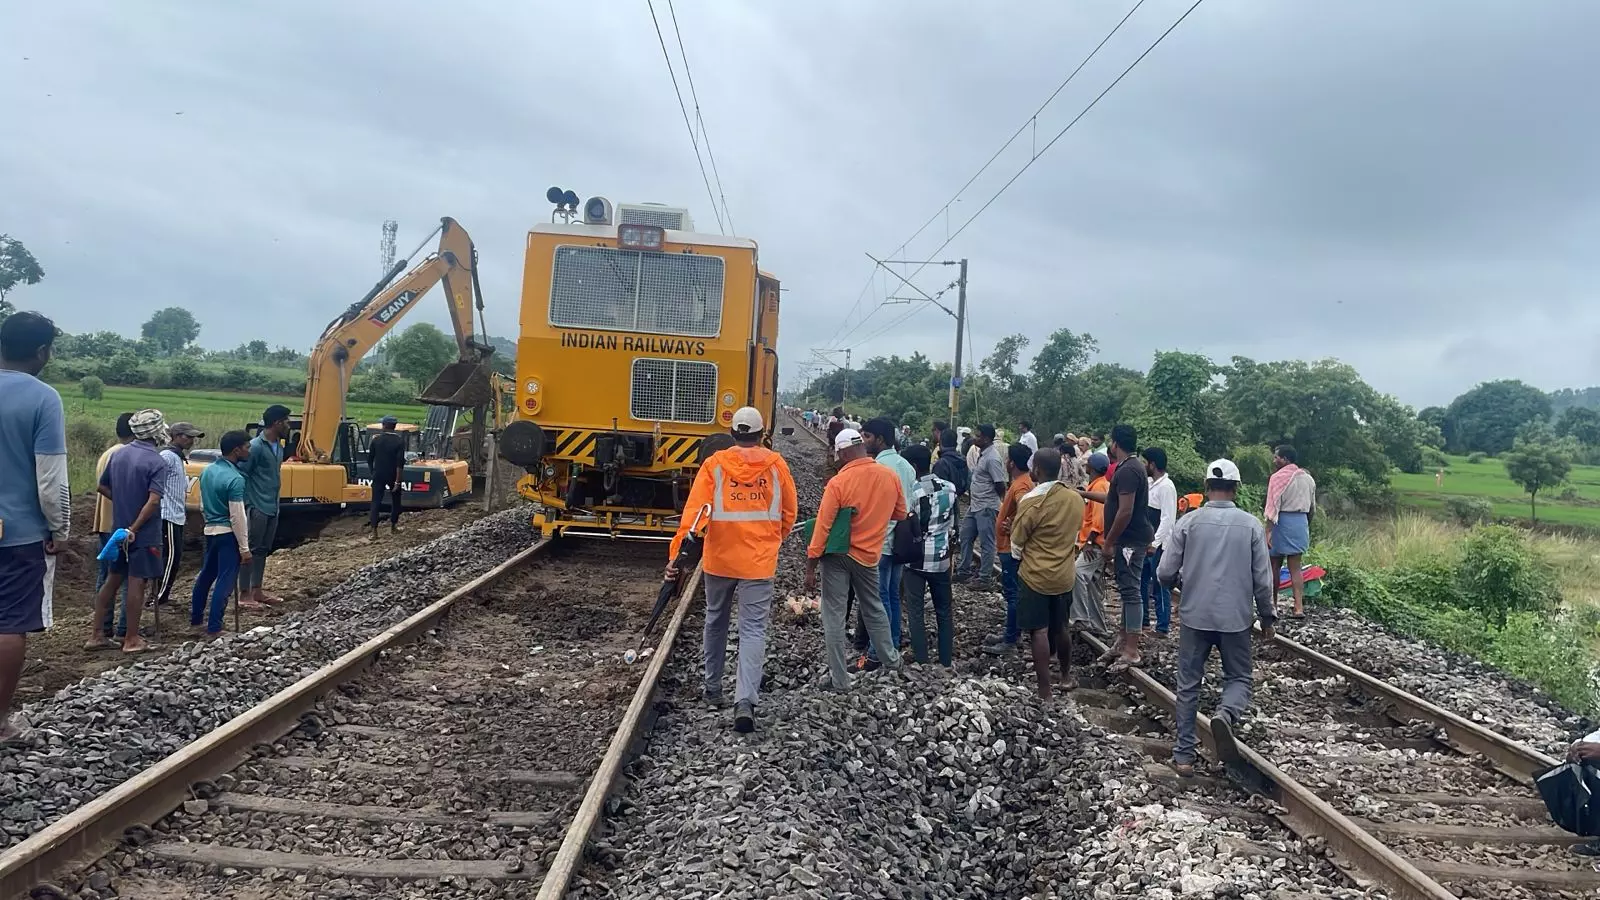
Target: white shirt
[
  {"x": 1164, "y": 496},
  {"x": 1028, "y": 439}
]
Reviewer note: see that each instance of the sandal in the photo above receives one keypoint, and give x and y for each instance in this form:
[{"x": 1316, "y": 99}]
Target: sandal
[
  {"x": 96, "y": 646},
  {"x": 141, "y": 649},
  {"x": 1123, "y": 664}
]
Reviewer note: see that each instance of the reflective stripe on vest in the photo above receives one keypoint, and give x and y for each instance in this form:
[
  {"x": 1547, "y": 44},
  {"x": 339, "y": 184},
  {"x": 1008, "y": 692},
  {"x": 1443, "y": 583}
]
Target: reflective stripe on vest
[{"x": 719, "y": 513}]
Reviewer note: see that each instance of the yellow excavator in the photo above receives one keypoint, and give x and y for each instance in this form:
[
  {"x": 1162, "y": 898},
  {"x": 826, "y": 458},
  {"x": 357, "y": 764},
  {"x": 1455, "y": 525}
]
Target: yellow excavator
[{"x": 325, "y": 468}]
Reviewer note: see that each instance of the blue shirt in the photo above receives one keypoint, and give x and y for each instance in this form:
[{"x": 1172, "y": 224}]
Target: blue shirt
[
  {"x": 220, "y": 484},
  {"x": 31, "y": 424},
  {"x": 908, "y": 480},
  {"x": 133, "y": 474},
  {"x": 261, "y": 479}
]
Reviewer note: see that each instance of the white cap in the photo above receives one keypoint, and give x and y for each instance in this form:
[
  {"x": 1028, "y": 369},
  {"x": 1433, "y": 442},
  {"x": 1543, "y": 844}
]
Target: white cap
[
  {"x": 1223, "y": 470},
  {"x": 847, "y": 438},
  {"x": 747, "y": 420}
]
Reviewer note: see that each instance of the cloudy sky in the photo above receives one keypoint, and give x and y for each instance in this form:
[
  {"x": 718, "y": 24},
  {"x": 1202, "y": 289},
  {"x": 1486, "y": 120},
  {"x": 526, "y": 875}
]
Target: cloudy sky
[{"x": 1411, "y": 187}]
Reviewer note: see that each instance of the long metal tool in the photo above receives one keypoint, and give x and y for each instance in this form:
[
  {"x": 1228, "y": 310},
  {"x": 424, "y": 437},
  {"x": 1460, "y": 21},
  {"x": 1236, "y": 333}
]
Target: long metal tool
[
  {"x": 1304, "y": 812},
  {"x": 87, "y": 833}
]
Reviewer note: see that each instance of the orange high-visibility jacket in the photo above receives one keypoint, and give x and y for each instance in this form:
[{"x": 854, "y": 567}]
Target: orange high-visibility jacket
[{"x": 753, "y": 507}]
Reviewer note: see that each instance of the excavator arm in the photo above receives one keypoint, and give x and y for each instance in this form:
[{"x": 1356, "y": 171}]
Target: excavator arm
[{"x": 358, "y": 329}]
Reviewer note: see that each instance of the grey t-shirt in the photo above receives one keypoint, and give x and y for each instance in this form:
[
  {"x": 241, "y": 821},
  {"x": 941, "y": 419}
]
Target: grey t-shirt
[{"x": 988, "y": 481}]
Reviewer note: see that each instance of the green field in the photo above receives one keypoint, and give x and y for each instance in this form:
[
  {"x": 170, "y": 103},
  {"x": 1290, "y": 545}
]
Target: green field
[
  {"x": 1488, "y": 479},
  {"x": 214, "y": 412}
]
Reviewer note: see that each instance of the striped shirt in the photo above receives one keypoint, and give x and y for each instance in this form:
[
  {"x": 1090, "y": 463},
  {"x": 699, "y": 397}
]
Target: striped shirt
[
  {"x": 933, "y": 502},
  {"x": 177, "y": 492}
]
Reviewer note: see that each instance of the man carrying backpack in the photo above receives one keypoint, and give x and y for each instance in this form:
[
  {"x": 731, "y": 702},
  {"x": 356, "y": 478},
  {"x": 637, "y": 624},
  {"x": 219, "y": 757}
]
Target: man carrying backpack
[{"x": 933, "y": 510}]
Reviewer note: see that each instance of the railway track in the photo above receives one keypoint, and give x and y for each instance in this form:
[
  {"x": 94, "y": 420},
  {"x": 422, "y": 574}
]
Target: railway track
[
  {"x": 467, "y": 751},
  {"x": 1405, "y": 794}
]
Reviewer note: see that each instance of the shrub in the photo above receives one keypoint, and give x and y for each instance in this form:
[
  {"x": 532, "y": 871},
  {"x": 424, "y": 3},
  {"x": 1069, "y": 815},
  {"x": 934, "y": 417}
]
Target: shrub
[
  {"x": 91, "y": 387},
  {"x": 86, "y": 440},
  {"x": 1431, "y": 583},
  {"x": 1477, "y": 456},
  {"x": 1254, "y": 462},
  {"x": 1551, "y": 653},
  {"x": 1347, "y": 488},
  {"x": 1434, "y": 459},
  {"x": 122, "y": 368},
  {"x": 1500, "y": 573},
  {"x": 1469, "y": 511},
  {"x": 185, "y": 372}
]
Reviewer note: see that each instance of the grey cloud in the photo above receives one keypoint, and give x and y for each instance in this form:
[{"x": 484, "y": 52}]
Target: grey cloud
[{"x": 1409, "y": 187}]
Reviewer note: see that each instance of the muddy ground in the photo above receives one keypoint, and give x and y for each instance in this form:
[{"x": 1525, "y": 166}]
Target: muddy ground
[{"x": 299, "y": 574}]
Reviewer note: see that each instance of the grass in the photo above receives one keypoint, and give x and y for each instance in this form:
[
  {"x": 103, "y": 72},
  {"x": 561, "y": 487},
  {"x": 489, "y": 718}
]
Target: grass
[
  {"x": 214, "y": 412},
  {"x": 1488, "y": 479},
  {"x": 1435, "y": 580},
  {"x": 1412, "y": 540}
]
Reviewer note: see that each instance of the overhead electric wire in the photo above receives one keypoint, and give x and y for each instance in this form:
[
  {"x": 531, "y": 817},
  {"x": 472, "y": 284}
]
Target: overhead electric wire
[
  {"x": 944, "y": 210},
  {"x": 1075, "y": 119},
  {"x": 695, "y": 96},
  {"x": 695, "y": 141}
]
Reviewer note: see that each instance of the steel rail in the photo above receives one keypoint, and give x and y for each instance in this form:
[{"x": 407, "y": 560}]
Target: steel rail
[
  {"x": 570, "y": 855},
  {"x": 1517, "y": 761},
  {"x": 1304, "y": 812},
  {"x": 92, "y": 830}
]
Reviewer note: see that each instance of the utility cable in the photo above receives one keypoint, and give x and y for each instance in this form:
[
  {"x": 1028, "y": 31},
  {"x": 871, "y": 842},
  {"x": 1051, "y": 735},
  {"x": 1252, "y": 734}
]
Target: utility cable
[
  {"x": 1031, "y": 120},
  {"x": 695, "y": 141},
  {"x": 1068, "y": 127},
  {"x": 695, "y": 97}
]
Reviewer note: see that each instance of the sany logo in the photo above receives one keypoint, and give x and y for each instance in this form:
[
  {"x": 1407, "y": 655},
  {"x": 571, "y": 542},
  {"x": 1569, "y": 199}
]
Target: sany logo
[
  {"x": 393, "y": 308},
  {"x": 193, "y": 480}
]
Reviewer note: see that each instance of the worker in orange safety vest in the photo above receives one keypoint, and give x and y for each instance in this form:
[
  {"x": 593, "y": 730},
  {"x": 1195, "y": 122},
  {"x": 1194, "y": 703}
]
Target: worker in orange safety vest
[{"x": 753, "y": 507}]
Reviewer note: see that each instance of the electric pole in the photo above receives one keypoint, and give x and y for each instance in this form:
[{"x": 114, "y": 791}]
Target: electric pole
[
  {"x": 959, "y": 314},
  {"x": 961, "y": 324}
]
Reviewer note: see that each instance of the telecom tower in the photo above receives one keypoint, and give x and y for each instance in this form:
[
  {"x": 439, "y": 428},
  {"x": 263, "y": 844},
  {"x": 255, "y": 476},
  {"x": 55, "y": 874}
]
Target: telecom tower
[{"x": 386, "y": 248}]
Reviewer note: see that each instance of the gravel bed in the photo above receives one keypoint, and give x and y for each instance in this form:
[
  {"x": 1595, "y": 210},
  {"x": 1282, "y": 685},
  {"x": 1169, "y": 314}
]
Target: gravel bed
[
  {"x": 1458, "y": 683},
  {"x": 98, "y": 733},
  {"x": 528, "y": 675},
  {"x": 930, "y": 783}
]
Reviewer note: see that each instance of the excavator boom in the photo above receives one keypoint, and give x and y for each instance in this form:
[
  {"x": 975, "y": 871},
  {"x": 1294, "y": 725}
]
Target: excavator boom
[{"x": 358, "y": 329}]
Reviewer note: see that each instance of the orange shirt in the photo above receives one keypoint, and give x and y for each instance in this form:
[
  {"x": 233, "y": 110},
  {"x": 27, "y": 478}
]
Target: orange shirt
[
  {"x": 1008, "y": 510},
  {"x": 876, "y": 494},
  {"x": 1094, "y": 515}
]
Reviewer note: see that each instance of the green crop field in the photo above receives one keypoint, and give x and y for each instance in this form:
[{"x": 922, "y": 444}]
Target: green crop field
[
  {"x": 214, "y": 412},
  {"x": 1488, "y": 479}
]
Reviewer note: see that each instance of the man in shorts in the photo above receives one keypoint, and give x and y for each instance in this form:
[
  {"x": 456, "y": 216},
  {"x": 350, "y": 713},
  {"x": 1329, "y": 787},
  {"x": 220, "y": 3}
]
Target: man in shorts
[
  {"x": 135, "y": 479},
  {"x": 35, "y": 502},
  {"x": 1044, "y": 541}
]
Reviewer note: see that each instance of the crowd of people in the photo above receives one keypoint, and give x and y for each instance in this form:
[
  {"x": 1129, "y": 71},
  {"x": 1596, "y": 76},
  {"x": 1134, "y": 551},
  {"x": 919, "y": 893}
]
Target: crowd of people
[
  {"x": 139, "y": 517},
  {"x": 1049, "y": 528}
]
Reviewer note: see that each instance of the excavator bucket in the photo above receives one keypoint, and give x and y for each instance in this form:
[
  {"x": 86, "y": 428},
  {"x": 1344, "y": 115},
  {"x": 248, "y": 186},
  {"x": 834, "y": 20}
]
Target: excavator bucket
[{"x": 462, "y": 384}]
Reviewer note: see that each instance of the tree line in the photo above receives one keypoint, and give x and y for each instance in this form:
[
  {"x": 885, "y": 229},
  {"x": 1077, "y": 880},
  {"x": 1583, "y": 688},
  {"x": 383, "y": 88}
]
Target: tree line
[{"x": 1199, "y": 409}]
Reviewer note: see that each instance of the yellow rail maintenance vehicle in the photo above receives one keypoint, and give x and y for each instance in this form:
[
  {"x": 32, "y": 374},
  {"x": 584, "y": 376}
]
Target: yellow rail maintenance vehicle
[{"x": 639, "y": 339}]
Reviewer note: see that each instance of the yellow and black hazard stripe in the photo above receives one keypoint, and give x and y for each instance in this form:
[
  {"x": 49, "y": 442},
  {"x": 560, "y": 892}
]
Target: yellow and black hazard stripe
[
  {"x": 677, "y": 450},
  {"x": 574, "y": 443},
  {"x": 578, "y": 445}
]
